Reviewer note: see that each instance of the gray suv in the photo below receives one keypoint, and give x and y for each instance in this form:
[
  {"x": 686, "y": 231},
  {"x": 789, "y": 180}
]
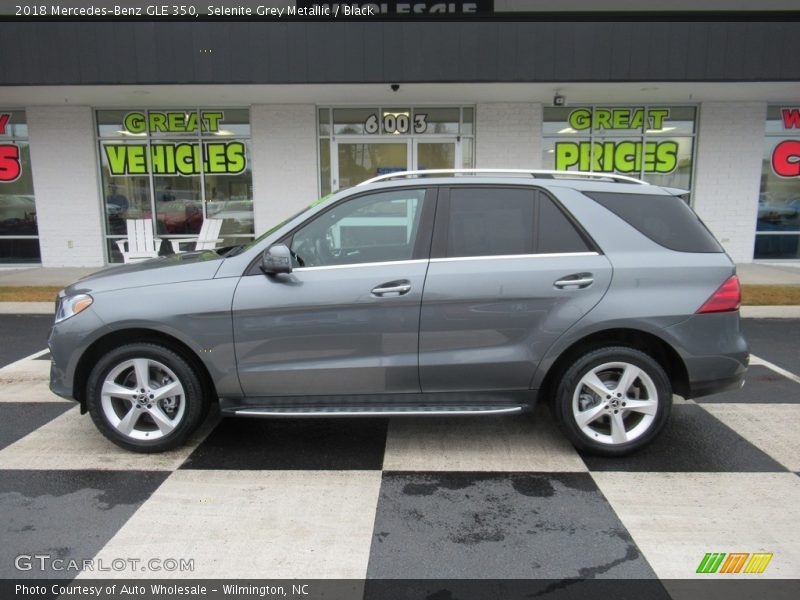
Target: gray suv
[{"x": 435, "y": 293}]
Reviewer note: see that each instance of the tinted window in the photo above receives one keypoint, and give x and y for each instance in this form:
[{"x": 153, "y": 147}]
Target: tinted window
[
  {"x": 374, "y": 228},
  {"x": 488, "y": 221},
  {"x": 555, "y": 231},
  {"x": 666, "y": 220}
]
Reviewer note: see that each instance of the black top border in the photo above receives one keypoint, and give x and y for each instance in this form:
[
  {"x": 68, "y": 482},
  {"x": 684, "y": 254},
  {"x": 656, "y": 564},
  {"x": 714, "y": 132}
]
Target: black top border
[{"x": 661, "y": 17}]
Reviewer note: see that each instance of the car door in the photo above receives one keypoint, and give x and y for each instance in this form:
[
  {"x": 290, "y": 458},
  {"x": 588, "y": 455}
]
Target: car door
[
  {"x": 346, "y": 319},
  {"x": 509, "y": 273}
]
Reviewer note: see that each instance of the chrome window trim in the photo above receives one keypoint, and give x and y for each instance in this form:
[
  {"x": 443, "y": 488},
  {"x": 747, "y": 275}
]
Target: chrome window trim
[
  {"x": 367, "y": 264},
  {"x": 449, "y": 259},
  {"x": 514, "y": 256}
]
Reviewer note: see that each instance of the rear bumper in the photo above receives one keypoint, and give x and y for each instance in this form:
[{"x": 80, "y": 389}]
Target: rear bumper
[
  {"x": 715, "y": 386},
  {"x": 714, "y": 352}
]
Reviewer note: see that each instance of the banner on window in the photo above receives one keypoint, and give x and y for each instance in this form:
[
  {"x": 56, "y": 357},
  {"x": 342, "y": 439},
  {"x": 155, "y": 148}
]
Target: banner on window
[
  {"x": 10, "y": 165},
  {"x": 176, "y": 158},
  {"x": 786, "y": 155},
  {"x": 618, "y": 155}
]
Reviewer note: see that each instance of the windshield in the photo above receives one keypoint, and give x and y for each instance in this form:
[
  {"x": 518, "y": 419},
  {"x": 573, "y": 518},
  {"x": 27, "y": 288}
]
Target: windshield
[{"x": 275, "y": 228}]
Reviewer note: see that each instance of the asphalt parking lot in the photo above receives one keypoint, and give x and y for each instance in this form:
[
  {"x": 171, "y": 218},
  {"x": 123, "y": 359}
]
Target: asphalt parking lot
[{"x": 406, "y": 498}]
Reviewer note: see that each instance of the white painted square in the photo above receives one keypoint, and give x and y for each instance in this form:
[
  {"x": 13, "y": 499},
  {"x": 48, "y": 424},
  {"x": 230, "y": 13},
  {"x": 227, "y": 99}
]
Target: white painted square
[
  {"x": 71, "y": 441},
  {"x": 27, "y": 380},
  {"x": 676, "y": 518},
  {"x": 21, "y": 390},
  {"x": 507, "y": 443},
  {"x": 263, "y": 524}
]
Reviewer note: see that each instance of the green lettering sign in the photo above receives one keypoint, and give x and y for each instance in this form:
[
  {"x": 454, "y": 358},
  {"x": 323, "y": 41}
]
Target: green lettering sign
[
  {"x": 177, "y": 121},
  {"x": 581, "y": 119},
  {"x": 623, "y": 156},
  {"x": 176, "y": 158}
]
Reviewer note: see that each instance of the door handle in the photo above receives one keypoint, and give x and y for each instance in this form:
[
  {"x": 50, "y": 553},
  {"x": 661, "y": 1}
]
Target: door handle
[
  {"x": 392, "y": 287},
  {"x": 579, "y": 280}
]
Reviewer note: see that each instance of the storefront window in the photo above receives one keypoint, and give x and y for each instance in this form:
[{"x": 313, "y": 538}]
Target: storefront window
[
  {"x": 778, "y": 224},
  {"x": 176, "y": 167},
  {"x": 19, "y": 233},
  {"x": 356, "y": 144},
  {"x": 653, "y": 143}
]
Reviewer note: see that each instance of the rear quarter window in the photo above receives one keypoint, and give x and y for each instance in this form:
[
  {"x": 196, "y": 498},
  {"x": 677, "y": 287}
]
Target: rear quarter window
[
  {"x": 667, "y": 220},
  {"x": 505, "y": 221}
]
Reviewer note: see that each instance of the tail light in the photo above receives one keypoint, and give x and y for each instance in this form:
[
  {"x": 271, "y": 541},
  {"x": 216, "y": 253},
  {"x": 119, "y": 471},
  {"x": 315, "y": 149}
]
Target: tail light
[{"x": 727, "y": 297}]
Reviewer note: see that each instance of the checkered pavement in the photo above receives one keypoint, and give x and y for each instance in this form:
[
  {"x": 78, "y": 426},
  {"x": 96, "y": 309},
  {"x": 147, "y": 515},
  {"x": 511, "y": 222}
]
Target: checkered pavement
[{"x": 503, "y": 497}]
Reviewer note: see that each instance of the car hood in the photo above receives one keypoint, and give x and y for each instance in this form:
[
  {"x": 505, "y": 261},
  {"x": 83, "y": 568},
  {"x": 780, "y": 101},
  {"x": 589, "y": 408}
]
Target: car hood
[{"x": 188, "y": 266}]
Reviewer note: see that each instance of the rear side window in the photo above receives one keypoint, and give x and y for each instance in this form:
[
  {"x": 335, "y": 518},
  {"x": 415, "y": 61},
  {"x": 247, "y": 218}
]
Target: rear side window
[
  {"x": 555, "y": 232},
  {"x": 666, "y": 220},
  {"x": 490, "y": 222},
  {"x": 487, "y": 221}
]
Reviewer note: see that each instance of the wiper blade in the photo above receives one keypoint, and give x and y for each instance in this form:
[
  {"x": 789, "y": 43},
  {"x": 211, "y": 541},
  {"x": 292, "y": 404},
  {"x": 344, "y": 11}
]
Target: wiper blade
[{"x": 234, "y": 251}]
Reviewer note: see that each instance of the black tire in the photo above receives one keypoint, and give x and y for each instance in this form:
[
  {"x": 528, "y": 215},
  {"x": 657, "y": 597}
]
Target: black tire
[
  {"x": 193, "y": 399},
  {"x": 597, "y": 436}
]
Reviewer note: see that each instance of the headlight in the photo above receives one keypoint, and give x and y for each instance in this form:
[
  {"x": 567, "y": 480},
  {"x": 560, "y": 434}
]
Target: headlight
[{"x": 72, "y": 305}]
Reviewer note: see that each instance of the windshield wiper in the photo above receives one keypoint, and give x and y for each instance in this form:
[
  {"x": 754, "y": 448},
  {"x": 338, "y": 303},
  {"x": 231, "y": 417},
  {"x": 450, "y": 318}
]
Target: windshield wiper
[{"x": 234, "y": 251}]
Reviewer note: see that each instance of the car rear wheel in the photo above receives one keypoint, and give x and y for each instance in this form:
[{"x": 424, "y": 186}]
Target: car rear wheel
[
  {"x": 613, "y": 400},
  {"x": 145, "y": 397}
]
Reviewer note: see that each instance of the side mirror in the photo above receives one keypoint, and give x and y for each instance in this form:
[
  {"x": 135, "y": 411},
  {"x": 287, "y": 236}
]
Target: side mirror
[{"x": 276, "y": 259}]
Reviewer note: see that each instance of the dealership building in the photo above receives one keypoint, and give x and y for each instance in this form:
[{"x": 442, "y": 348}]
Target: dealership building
[{"x": 250, "y": 121}]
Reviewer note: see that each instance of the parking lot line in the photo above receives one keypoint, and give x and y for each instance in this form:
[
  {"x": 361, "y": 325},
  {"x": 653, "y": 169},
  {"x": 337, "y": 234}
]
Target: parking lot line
[{"x": 755, "y": 360}]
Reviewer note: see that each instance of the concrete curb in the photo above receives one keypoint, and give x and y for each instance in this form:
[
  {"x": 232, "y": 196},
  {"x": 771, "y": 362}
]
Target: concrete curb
[
  {"x": 771, "y": 312},
  {"x": 748, "y": 312},
  {"x": 27, "y": 308}
]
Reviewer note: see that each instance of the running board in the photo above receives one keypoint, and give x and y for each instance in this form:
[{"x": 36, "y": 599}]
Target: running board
[{"x": 377, "y": 411}]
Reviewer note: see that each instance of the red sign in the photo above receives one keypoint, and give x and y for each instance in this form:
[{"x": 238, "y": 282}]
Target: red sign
[
  {"x": 10, "y": 167},
  {"x": 786, "y": 155}
]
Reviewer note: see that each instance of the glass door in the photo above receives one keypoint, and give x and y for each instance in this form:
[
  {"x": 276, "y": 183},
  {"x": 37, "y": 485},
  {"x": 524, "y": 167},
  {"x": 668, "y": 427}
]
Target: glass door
[
  {"x": 356, "y": 160},
  {"x": 436, "y": 154}
]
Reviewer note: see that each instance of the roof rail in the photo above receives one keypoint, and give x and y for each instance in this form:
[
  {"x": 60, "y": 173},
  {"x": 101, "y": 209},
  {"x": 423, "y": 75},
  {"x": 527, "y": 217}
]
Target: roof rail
[{"x": 535, "y": 173}]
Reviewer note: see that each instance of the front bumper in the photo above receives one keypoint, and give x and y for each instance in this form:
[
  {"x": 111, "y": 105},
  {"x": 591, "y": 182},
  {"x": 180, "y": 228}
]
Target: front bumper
[{"x": 67, "y": 343}]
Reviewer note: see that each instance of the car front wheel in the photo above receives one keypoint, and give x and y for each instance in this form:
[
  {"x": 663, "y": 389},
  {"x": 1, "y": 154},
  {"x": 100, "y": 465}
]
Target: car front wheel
[
  {"x": 613, "y": 400},
  {"x": 144, "y": 397}
]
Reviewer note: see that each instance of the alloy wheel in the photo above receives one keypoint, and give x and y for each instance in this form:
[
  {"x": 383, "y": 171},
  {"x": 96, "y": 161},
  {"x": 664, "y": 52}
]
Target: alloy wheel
[
  {"x": 143, "y": 399},
  {"x": 615, "y": 403}
]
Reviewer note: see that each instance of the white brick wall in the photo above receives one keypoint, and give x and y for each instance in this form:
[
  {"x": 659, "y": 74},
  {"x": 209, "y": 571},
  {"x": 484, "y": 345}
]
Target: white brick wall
[
  {"x": 729, "y": 154},
  {"x": 508, "y": 136},
  {"x": 284, "y": 156},
  {"x": 64, "y": 161}
]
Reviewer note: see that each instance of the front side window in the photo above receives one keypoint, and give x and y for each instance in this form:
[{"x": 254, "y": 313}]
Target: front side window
[
  {"x": 778, "y": 225},
  {"x": 177, "y": 168},
  {"x": 487, "y": 221},
  {"x": 375, "y": 228},
  {"x": 19, "y": 232}
]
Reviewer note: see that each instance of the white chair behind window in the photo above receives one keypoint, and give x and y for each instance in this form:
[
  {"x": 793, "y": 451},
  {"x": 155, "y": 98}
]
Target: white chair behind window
[
  {"x": 141, "y": 244},
  {"x": 207, "y": 239}
]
